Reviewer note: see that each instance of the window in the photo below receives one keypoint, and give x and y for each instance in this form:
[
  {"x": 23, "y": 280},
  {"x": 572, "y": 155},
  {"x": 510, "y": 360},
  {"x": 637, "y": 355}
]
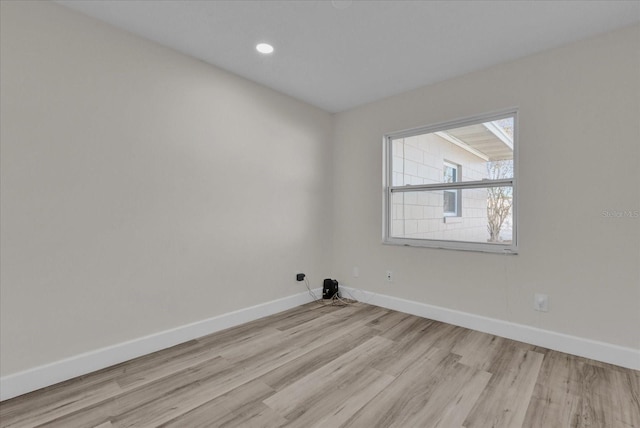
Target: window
[
  {"x": 451, "y": 204},
  {"x": 453, "y": 185}
]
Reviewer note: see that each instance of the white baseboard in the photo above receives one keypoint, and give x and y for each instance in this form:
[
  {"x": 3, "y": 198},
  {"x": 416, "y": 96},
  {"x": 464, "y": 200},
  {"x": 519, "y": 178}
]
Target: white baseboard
[
  {"x": 35, "y": 378},
  {"x": 39, "y": 377},
  {"x": 592, "y": 349}
]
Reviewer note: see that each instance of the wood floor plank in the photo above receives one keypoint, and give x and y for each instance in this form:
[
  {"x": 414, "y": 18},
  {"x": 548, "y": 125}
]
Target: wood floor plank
[
  {"x": 258, "y": 416},
  {"x": 453, "y": 412},
  {"x": 505, "y": 400},
  {"x": 40, "y": 413},
  {"x": 137, "y": 376},
  {"x": 83, "y": 390},
  {"x": 89, "y": 390},
  {"x": 266, "y": 355},
  {"x": 225, "y": 408},
  {"x": 299, "y": 396},
  {"x": 468, "y": 347},
  {"x": 555, "y": 400},
  {"x": 252, "y": 328},
  {"x": 216, "y": 369},
  {"x": 268, "y": 338},
  {"x": 388, "y": 320},
  {"x": 407, "y": 395},
  {"x": 607, "y": 399},
  {"x": 409, "y": 329},
  {"x": 313, "y": 311},
  {"x": 449, "y": 396},
  {"x": 332, "y": 410},
  {"x": 357, "y": 311},
  {"x": 402, "y": 357},
  {"x": 311, "y": 361},
  {"x": 338, "y": 366},
  {"x": 445, "y": 336},
  {"x": 202, "y": 404},
  {"x": 625, "y": 387},
  {"x": 299, "y": 342}
]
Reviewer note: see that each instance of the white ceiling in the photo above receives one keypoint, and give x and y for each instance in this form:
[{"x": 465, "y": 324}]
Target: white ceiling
[{"x": 341, "y": 54}]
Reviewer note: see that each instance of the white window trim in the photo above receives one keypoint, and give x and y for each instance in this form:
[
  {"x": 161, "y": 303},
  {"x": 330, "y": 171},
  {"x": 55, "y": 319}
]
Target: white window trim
[
  {"x": 487, "y": 247},
  {"x": 458, "y": 211}
]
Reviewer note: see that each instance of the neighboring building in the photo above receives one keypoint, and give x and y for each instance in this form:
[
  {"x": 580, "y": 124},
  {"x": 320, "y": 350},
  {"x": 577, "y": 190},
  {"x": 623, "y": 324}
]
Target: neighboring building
[{"x": 469, "y": 153}]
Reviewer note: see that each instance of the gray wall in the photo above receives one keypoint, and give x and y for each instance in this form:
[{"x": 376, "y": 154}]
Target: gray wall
[
  {"x": 579, "y": 151},
  {"x": 143, "y": 190}
]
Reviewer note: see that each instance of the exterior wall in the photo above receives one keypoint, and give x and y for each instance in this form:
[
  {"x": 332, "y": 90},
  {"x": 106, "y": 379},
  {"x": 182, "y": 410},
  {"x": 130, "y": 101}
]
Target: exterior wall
[{"x": 420, "y": 215}]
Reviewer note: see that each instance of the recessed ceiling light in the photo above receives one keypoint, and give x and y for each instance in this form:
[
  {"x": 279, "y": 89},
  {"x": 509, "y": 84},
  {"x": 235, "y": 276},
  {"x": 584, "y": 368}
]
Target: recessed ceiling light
[{"x": 264, "y": 48}]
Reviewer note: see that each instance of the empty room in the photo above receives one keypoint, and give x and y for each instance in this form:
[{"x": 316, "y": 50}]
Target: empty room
[{"x": 319, "y": 213}]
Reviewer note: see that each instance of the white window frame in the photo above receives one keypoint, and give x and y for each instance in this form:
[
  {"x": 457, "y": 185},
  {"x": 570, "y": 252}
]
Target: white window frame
[
  {"x": 458, "y": 199},
  {"x": 388, "y": 188}
]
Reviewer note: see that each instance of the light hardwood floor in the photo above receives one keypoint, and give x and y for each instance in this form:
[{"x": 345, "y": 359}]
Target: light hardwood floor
[{"x": 354, "y": 366}]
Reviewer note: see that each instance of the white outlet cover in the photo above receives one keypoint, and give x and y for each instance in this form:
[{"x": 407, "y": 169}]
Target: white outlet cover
[{"x": 541, "y": 302}]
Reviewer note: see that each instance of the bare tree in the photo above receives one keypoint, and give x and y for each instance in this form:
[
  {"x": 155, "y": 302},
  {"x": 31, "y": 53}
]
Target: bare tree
[{"x": 499, "y": 199}]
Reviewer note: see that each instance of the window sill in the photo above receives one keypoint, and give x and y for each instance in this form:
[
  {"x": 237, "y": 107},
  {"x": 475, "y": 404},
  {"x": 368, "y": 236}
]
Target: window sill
[
  {"x": 477, "y": 247},
  {"x": 452, "y": 219}
]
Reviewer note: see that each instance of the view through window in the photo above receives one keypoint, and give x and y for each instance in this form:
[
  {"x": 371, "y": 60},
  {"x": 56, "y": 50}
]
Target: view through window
[{"x": 452, "y": 186}]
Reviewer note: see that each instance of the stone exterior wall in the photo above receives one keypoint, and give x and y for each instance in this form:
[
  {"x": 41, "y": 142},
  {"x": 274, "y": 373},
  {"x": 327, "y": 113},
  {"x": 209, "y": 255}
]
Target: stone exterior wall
[{"x": 420, "y": 160}]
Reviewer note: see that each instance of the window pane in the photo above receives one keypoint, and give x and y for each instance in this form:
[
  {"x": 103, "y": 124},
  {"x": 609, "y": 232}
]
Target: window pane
[
  {"x": 485, "y": 216},
  {"x": 450, "y": 197},
  {"x": 483, "y": 151},
  {"x": 449, "y": 174}
]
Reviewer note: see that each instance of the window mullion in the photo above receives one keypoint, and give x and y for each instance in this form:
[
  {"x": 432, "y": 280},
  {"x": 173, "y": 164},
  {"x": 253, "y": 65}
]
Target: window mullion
[{"x": 452, "y": 186}]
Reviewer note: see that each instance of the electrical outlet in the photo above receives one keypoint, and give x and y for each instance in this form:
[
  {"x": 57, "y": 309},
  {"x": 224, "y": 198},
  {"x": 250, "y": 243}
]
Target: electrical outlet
[
  {"x": 355, "y": 272},
  {"x": 389, "y": 276},
  {"x": 541, "y": 302}
]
